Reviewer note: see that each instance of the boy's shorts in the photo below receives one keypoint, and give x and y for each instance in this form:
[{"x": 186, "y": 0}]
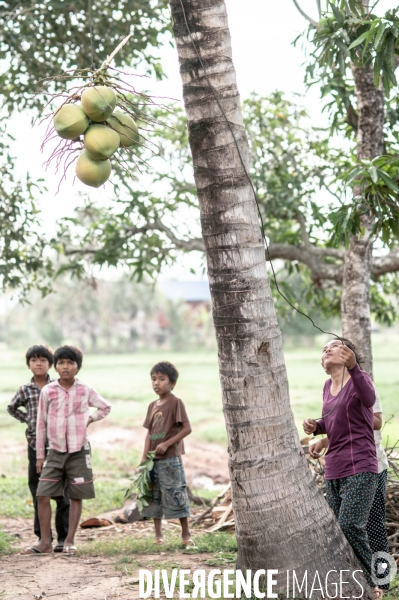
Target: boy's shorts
[
  {"x": 170, "y": 500},
  {"x": 62, "y": 467}
]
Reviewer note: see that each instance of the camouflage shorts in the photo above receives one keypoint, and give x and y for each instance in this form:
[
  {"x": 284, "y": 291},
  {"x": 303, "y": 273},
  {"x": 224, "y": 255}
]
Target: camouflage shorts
[{"x": 170, "y": 499}]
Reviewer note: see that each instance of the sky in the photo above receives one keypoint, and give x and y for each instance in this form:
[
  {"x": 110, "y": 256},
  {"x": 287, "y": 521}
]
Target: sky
[{"x": 262, "y": 33}]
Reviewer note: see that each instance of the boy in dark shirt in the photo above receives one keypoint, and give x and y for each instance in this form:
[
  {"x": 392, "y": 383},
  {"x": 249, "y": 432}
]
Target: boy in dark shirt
[
  {"x": 167, "y": 425},
  {"x": 39, "y": 360}
]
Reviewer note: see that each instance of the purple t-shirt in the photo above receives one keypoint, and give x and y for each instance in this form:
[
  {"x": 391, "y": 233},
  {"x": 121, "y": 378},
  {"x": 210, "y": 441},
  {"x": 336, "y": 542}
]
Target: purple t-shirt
[{"x": 351, "y": 445}]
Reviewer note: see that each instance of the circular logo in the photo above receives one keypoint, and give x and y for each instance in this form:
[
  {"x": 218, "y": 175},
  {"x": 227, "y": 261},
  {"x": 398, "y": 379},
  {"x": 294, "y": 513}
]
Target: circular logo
[{"x": 381, "y": 563}]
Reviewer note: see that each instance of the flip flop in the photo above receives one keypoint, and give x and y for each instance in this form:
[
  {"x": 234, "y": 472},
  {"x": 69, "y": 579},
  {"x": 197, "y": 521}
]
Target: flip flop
[
  {"x": 187, "y": 543},
  {"x": 69, "y": 549},
  {"x": 33, "y": 551},
  {"x": 59, "y": 547}
]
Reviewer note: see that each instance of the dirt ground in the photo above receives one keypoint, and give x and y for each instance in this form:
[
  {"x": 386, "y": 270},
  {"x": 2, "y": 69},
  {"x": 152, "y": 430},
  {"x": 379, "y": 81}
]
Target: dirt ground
[
  {"x": 93, "y": 577},
  {"x": 203, "y": 463},
  {"x": 80, "y": 577}
]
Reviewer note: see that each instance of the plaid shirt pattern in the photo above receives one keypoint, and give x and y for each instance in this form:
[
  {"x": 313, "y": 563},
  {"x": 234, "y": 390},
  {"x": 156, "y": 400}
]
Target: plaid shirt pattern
[
  {"x": 63, "y": 415},
  {"x": 28, "y": 398}
]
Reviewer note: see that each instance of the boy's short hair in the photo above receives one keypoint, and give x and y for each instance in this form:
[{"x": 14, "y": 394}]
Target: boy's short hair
[
  {"x": 167, "y": 369},
  {"x": 38, "y": 351},
  {"x": 71, "y": 352}
]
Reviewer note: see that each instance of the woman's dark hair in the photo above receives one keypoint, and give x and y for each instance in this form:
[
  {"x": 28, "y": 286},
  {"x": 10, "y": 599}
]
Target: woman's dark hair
[
  {"x": 352, "y": 347},
  {"x": 70, "y": 352},
  {"x": 39, "y": 351},
  {"x": 167, "y": 369}
]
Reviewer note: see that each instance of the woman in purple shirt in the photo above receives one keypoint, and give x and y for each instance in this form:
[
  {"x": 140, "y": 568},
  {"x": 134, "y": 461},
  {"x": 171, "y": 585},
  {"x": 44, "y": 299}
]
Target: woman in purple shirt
[{"x": 351, "y": 470}]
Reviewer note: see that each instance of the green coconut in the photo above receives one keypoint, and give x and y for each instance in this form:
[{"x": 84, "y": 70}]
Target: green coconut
[
  {"x": 92, "y": 172},
  {"x": 101, "y": 142},
  {"x": 126, "y": 128},
  {"x": 98, "y": 102},
  {"x": 70, "y": 121}
]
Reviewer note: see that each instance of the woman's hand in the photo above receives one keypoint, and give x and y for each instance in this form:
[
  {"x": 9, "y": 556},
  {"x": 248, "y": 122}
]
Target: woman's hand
[
  {"x": 316, "y": 449},
  {"x": 309, "y": 426},
  {"x": 348, "y": 357}
]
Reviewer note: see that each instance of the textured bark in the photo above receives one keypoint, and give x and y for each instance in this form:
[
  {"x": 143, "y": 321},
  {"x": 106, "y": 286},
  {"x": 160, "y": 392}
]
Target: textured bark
[
  {"x": 355, "y": 303},
  {"x": 282, "y": 520}
]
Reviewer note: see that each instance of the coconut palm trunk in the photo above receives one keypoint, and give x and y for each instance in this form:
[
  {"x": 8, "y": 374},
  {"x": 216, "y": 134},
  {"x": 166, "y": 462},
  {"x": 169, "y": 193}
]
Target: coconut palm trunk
[
  {"x": 282, "y": 520},
  {"x": 355, "y": 303}
]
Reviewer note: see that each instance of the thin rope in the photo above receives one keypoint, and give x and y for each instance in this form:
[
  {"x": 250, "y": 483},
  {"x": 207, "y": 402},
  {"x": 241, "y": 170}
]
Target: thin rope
[
  {"x": 91, "y": 36},
  {"x": 216, "y": 96},
  {"x": 338, "y": 399}
]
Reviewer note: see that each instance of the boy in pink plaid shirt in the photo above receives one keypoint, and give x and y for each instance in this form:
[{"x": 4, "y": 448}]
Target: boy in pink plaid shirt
[{"x": 62, "y": 420}]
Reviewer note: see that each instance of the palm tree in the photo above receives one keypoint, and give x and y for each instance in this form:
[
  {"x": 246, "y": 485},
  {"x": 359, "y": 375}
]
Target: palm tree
[{"x": 282, "y": 520}]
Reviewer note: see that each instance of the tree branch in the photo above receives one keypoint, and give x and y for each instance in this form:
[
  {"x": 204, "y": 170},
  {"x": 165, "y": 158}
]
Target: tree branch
[
  {"x": 188, "y": 245},
  {"x": 310, "y": 257},
  {"x": 311, "y": 21},
  {"x": 325, "y": 264},
  {"x": 351, "y": 116},
  {"x": 385, "y": 264},
  {"x": 304, "y": 232}
]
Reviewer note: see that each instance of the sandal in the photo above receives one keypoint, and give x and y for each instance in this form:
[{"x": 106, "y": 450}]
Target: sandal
[
  {"x": 33, "y": 551},
  {"x": 187, "y": 543}
]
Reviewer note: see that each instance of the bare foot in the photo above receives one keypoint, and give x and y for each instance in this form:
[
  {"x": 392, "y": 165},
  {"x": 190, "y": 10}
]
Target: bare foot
[
  {"x": 158, "y": 541},
  {"x": 378, "y": 593}
]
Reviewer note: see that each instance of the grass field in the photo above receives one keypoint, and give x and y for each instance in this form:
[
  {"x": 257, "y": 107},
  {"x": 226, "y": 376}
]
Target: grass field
[{"x": 124, "y": 379}]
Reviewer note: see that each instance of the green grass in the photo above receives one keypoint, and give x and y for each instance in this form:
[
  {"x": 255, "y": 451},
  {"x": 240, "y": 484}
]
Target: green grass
[
  {"x": 394, "y": 591},
  {"x": 15, "y": 498},
  {"x": 16, "y": 501},
  {"x": 125, "y": 378},
  {"x": 6, "y": 542},
  {"x": 218, "y": 542}
]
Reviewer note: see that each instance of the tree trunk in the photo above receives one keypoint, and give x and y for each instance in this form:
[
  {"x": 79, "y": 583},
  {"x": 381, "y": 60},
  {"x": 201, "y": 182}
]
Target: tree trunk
[
  {"x": 355, "y": 304},
  {"x": 282, "y": 520}
]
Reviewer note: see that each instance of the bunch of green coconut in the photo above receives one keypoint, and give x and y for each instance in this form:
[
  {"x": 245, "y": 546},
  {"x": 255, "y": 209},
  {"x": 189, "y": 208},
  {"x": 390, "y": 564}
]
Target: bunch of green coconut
[{"x": 104, "y": 130}]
